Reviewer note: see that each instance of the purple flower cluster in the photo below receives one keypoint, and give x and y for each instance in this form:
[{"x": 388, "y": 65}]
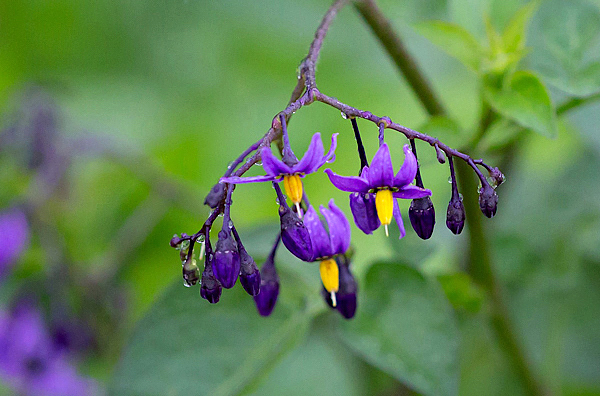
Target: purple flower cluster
[
  {"x": 31, "y": 363},
  {"x": 373, "y": 203}
]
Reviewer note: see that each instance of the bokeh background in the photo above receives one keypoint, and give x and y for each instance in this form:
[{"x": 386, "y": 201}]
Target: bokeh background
[{"x": 118, "y": 117}]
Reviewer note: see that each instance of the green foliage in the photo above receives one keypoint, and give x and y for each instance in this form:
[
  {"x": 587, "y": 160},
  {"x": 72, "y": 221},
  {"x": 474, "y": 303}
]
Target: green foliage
[
  {"x": 184, "y": 345},
  {"x": 525, "y": 100},
  {"x": 406, "y": 327},
  {"x": 455, "y": 40},
  {"x": 565, "y": 36}
]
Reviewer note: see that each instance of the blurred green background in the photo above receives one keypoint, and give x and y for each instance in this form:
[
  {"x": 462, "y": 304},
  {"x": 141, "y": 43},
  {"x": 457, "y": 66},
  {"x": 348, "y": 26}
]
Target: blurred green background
[{"x": 154, "y": 98}]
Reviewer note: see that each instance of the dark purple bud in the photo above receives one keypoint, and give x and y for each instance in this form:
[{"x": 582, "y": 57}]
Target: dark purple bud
[
  {"x": 364, "y": 212},
  {"x": 210, "y": 288},
  {"x": 294, "y": 234},
  {"x": 269, "y": 288},
  {"x": 488, "y": 201},
  {"x": 191, "y": 272},
  {"x": 215, "y": 196},
  {"x": 226, "y": 261},
  {"x": 175, "y": 241},
  {"x": 455, "y": 216},
  {"x": 249, "y": 273},
  {"x": 422, "y": 217},
  {"x": 497, "y": 176}
]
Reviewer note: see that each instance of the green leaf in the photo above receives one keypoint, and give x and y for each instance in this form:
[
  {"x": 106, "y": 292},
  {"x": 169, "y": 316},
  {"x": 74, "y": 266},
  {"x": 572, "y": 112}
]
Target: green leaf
[
  {"x": 187, "y": 346},
  {"x": 513, "y": 36},
  {"x": 525, "y": 100},
  {"x": 406, "y": 328},
  {"x": 455, "y": 40},
  {"x": 565, "y": 36}
]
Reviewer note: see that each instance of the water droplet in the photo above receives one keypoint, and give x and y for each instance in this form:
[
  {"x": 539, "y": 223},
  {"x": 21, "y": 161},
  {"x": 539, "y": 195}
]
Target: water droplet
[
  {"x": 344, "y": 116},
  {"x": 221, "y": 214},
  {"x": 258, "y": 163},
  {"x": 186, "y": 284},
  {"x": 200, "y": 238},
  {"x": 230, "y": 224},
  {"x": 450, "y": 179}
]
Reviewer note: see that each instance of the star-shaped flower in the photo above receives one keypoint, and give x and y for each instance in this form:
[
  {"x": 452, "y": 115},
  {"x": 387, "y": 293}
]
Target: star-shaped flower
[
  {"x": 289, "y": 168},
  {"x": 378, "y": 181},
  {"x": 327, "y": 245}
]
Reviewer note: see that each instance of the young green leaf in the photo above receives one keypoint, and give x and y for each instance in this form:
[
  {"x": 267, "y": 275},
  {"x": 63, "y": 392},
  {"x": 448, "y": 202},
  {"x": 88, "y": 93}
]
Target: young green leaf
[
  {"x": 454, "y": 40},
  {"x": 526, "y": 101}
]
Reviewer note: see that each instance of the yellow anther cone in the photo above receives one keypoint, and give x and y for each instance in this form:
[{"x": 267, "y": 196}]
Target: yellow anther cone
[
  {"x": 384, "y": 202},
  {"x": 330, "y": 275},
  {"x": 293, "y": 187}
]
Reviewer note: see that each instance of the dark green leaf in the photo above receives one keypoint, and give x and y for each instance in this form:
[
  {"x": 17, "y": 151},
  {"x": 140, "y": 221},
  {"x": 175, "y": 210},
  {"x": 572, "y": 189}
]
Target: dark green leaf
[
  {"x": 186, "y": 346},
  {"x": 525, "y": 100},
  {"x": 406, "y": 328}
]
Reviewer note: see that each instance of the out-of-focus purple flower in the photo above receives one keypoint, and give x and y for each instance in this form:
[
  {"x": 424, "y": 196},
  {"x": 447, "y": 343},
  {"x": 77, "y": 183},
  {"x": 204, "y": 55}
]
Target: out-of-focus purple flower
[
  {"x": 379, "y": 179},
  {"x": 29, "y": 361},
  {"x": 14, "y": 234},
  {"x": 289, "y": 168}
]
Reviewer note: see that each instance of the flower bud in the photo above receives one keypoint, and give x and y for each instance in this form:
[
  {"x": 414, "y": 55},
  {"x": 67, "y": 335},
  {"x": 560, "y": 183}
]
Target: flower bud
[
  {"x": 191, "y": 272},
  {"x": 455, "y": 216},
  {"x": 364, "y": 212},
  {"x": 175, "y": 241},
  {"x": 295, "y": 235},
  {"x": 210, "y": 288},
  {"x": 215, "y": 196},
  {"x": 422, "y": 217},
  {"x": 497, "y": 176},
  {"x": 488, "y": 201},
  {"x": 249, "y": 273},
  {"x": 226, "y": 261},
  {"x": 269, "y": 288}
]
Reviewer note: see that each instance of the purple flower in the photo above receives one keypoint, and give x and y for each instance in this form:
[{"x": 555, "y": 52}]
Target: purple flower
[
  {"x": 14, "y": 233},
  {"x": 378, "y": 180},
  {"x": 29, "y": 361},
  {"x": 290, "y": 169},
  {"x": 327, "y": 245}
]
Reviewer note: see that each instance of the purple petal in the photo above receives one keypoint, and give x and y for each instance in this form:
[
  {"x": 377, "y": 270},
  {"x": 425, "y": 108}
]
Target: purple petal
[
  {"x": 398, "y": 217},
  {"x": 412, "y": 192},
  {"x": 381, "y": 172},
  {"x": 320, "y": 240},
  {"x": 348, "y": 183},
  {"x": 273, "y": 166},
  {"x": 339, "y": 228},
  {"x": 241, "y": 180},
  {"x": 313, "y": 158},
  {"x": 364, "y": 212},
  {"x": 330, "y": 157},
  {"x": 408, "y": 171},
  {"x": 364, "y": 173}
]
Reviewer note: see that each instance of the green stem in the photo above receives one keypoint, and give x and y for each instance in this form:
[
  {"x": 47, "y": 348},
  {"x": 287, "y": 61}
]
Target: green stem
[
  {"x": 481, "y": 269},
  {"x": 382, "y": 28},
  {"x": 576, "y": 102},
  {"x": 479, "y": 257}
]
